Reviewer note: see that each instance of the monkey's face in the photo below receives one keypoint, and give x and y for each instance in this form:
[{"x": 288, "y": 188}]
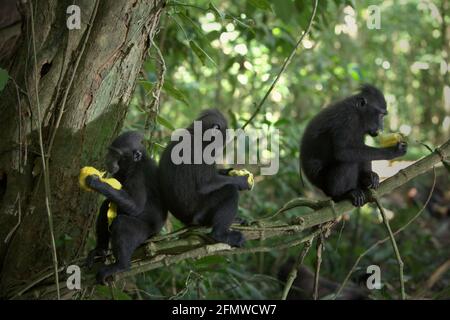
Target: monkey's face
[
  {"x": 372, "y": 112},
  {"x": 124, "y": 152},
  {"x": 112, "y": 160},
  {"x": 118, "y": 159}
]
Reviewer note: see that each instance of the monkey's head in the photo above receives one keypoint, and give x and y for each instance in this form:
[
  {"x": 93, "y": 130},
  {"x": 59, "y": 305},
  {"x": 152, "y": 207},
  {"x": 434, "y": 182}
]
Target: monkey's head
[
  {"x": 371, "y": 107},
  {"x": 213, "y": 119},
  {"x": 124, "y": 152}
]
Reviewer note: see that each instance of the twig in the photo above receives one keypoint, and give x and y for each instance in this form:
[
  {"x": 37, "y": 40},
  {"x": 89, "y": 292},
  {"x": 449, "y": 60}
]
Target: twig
[
  {"x": 19, "y": 209},
  {"x": 379, "y": 242},
  {"x": 69, "y": 85},
  {"x": 403, "y": 176},
  {"x": 44, "y": 160},
  {"x": 293, "y": 273},
  {"x": 283, "y": 67},
  {"x": 394, "y": 244},
  {"x": 153, "y": 108},
  {"x": 437, "y": 274},
  {"x": 319, "y": 250}
]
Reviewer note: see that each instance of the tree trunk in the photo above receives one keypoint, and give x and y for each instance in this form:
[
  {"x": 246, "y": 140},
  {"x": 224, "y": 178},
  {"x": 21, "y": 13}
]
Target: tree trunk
[{"x": 79, "y": 116}]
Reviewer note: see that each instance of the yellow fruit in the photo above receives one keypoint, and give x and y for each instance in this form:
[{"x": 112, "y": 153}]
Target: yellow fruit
[
  {"x": 112, "y": 212},
  {"x": 391, "y": 139},
  {"x": 243, "y": 172},
  {"x": 112, "y": 182},
  {"x": 87, "y": 171}
]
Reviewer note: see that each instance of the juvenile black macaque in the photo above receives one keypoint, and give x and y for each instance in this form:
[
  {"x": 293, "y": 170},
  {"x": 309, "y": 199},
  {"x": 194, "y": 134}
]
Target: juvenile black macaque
[
  {"x": 333, "y": 155},
  {"x": 140, "y": 212},
  {"x": 200, "y": 194}
]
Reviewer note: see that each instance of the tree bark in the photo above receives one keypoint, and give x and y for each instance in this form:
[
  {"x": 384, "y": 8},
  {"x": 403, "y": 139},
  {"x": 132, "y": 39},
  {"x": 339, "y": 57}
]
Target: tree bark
[{"x": 79, "y": 117}]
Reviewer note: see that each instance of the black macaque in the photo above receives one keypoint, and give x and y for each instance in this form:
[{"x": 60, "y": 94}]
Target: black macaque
[
  {"x": 333, "y": 155},
  {"x": 140, "y": 212},
  {"x": 200, "y": 194}
]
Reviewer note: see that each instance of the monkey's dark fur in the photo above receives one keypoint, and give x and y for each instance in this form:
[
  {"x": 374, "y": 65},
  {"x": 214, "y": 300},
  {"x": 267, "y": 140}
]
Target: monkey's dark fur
[
  {"x": 333, "y": 155},
  {"x": 140, "y": 212},
  {"x": 200, "y": 194}
]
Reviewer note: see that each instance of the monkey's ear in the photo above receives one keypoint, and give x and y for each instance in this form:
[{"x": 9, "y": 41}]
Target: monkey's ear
[
  {"x": 137, "y": 155},
  {"x": 361, "y": 102}
]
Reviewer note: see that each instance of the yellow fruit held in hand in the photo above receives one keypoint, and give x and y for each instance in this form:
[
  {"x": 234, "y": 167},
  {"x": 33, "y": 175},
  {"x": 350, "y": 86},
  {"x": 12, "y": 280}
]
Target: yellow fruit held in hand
[
  {"x": 112, "y": 212},
  {"x": 87, "y": 171},
  {"x": 243, "y": 172},
  {"x": 391, "y": 139},
  {"x": 112, "y": 182}
]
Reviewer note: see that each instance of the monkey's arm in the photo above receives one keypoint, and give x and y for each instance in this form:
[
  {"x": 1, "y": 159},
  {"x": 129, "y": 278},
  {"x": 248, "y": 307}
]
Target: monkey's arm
[
  {"x": 219, "y": 181},
  {"x": 224, "y": 172},
  {"x": 365, "y": 153},
  {"x": 123, "y": 200}
]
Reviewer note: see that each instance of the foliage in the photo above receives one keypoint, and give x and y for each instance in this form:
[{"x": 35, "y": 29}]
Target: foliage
[{"x": 225, "y": 54}]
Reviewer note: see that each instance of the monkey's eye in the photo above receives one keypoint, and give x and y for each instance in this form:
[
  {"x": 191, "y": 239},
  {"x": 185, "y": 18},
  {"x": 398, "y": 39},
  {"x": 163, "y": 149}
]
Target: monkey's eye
[
  {"x": 216, "y": 126},
  {"x": 362, "y": 102},
  {"x": 137, "y": 155}
]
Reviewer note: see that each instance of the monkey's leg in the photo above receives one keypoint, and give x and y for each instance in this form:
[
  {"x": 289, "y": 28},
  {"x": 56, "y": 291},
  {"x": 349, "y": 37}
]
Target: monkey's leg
[
  {"x": 102, "y": 234},
  {"x": 222, "y": 215},
  {"x": 341, "y": 182},
  {"x": 127, "y": 233},
  {"x": 367, "y": 178}
]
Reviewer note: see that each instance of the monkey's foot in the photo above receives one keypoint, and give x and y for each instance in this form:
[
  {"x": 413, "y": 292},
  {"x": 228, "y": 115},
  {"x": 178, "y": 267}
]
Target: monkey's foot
[
  {"x": 233, "y": 238},
  {"x": 241, "y": 221},
  {"x": 93, "y": 254},
  {"x": 370, "y": 180},
  {"x": 357, "y": 197},
  {"x": 106, "y": 273}
]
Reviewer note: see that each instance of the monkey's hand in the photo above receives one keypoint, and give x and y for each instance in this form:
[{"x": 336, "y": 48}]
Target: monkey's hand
[
  {"x": 84, "y": 173},
  {"x": 225, "y": 172},
  {"x": 93, "y": 181},
  {"x": 370, "y": 180},
  {"x": 400, "y": 149},
  {"x": 249, "y": 181},
  {"x": 92, "y": 173}
]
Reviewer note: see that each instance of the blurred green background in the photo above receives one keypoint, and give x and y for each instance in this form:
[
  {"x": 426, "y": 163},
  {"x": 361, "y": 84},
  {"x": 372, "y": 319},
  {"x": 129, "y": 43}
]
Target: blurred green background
[{"x": 225, "y": 54}]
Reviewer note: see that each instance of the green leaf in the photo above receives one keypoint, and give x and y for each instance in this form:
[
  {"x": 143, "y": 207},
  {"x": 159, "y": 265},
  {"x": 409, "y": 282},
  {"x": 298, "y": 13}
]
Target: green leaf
[
  {"x": 285, "y": 10},
  {"x": 216, "y": 11},
  {"x": 261, "y": 4},
  {"x": 210, "y": 260},
  {"x": 3, "y": 78},
  {"x": 198, "y": 30},
  {"x": 147, "y": 85},
  {"x": 108, "y": 292},
  {"x": 281, "y": 122},
  {"x": 200, "y": 53},
  {"x": 164, "y": 122},
  {"x": 175, "y": 93}
]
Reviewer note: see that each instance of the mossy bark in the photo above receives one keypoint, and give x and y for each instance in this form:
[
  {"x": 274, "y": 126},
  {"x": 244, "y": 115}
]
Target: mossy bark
[{"x": 93, "y": 112}]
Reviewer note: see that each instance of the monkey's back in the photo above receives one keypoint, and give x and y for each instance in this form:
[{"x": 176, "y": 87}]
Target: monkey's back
[
  {"x": 179, "y": 186},
  {"x": 316, "y": 146}
]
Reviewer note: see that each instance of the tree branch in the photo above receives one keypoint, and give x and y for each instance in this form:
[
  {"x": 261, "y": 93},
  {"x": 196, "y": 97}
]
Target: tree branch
[{"x": 192, "y": 243}]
